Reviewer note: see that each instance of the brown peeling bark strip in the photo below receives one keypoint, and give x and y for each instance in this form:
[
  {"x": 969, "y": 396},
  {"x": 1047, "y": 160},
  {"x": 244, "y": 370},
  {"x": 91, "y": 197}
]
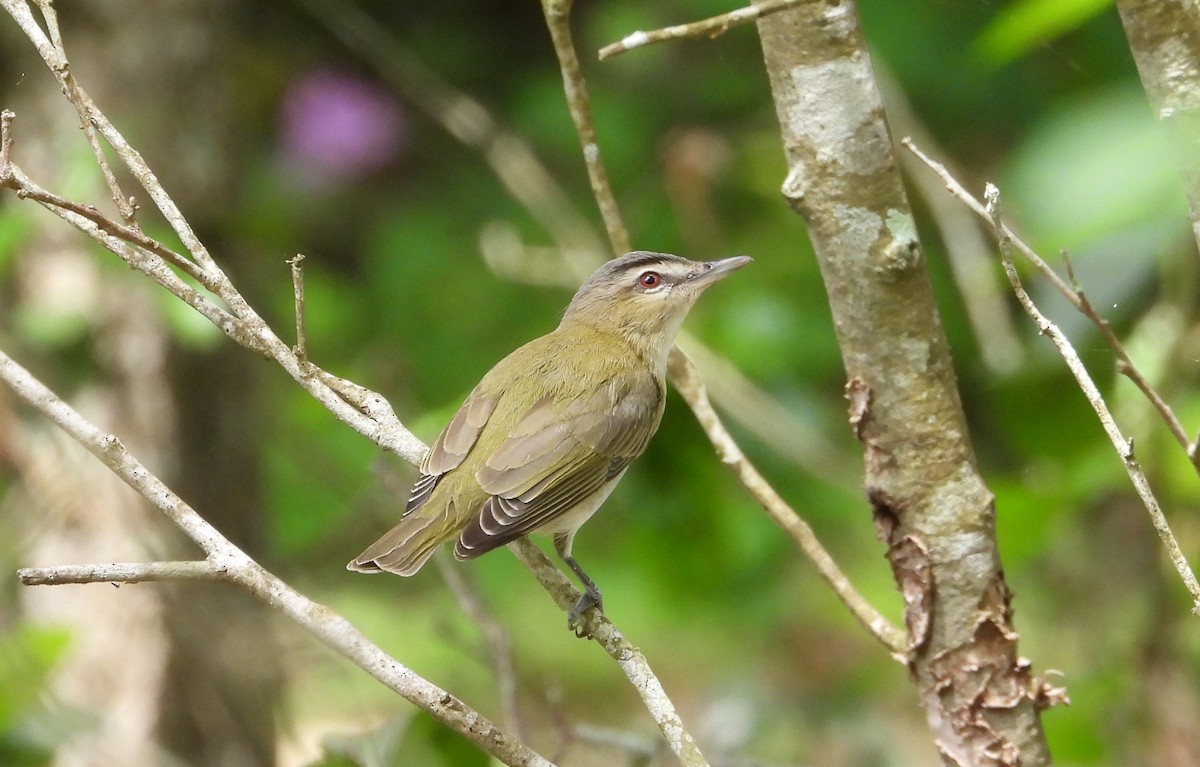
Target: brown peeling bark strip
[{"x": 911, "y": 568}]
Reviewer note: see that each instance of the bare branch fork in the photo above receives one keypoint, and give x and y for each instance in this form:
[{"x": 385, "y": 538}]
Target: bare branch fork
[
  {"x": 990, "y": 211},
  {"x": 226, "y": 562},
  {"x": 1070, "y": 290},
  {"x": 365, "y": 411}
]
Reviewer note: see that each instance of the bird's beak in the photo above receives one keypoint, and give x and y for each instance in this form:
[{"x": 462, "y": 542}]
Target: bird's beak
[{"x": 711, "y": 271}]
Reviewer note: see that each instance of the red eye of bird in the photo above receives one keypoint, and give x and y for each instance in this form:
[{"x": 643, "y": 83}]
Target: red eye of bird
[{"x": 650, "y": 279}]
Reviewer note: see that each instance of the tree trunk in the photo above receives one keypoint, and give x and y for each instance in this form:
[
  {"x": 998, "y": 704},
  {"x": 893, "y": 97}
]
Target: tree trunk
[{"x": 930, "y": 505}]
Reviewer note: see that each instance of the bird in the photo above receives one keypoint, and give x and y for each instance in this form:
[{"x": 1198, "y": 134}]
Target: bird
[{"x": 550, "y": 430}]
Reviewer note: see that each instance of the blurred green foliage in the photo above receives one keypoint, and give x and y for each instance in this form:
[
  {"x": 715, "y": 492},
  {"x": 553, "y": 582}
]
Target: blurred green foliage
[
  {"x": 28, "y": 655},
  {"x": 1041, "y": 97}
]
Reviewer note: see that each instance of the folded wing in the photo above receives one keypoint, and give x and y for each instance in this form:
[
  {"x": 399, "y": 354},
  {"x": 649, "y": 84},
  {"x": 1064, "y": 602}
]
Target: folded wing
[{"x": 557, "y": 456}]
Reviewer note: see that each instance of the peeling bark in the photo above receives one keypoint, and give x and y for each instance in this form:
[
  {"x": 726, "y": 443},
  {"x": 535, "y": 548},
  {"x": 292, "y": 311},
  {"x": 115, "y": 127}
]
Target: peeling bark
[{"x": 930, "y": 505}]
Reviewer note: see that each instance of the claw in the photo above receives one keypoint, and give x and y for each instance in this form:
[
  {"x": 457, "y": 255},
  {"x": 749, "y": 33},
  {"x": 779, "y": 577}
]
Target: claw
[{"x": 577, "y": 621}]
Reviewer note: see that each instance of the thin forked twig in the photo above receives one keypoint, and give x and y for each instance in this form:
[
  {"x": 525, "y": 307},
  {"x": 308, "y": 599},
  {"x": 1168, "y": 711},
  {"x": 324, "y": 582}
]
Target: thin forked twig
[
  {"x": 1072, "y": 292},
  {"x": 1123, "y": 446},
  {"x": 714, "y": 26},
  {"x": 126, "y": 206},
  {"x": 14, "y": 178},
  {"x": 227, "y": 562}
]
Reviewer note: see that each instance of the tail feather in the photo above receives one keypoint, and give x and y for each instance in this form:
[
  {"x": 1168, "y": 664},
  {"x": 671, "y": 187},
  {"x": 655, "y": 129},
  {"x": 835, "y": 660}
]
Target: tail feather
[{"x": 406, "y": 547}]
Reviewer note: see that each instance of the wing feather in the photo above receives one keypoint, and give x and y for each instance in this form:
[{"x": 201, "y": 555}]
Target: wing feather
[
  {"x": 459, "y": 436},
  {"x": 555, "y": 458}
]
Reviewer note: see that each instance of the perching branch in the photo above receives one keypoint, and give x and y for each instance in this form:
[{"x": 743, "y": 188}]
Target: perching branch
[
  {"x": 365, "y": 410},
  {"x": 628, "y": 657},
  {"x": 714, "y": 26},
  {"x": 1123, "y": 446},
  {"x": 227, "y": 562}
]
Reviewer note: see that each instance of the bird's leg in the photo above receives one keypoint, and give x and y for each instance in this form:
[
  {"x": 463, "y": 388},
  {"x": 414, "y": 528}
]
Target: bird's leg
[{"x": 591, "y": 593}]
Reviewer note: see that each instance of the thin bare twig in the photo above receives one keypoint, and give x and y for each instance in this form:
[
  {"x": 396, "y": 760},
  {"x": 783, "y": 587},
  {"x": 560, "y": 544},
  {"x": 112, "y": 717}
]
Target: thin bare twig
[
  {"x": 238, "y": 568},
  {"x": 14, "y": 178},
  {"x": 683, "y": 372},
  {"x": 558, "y": 20},
  {"x": 1123, "y": 446},
  {"x": 6, "y": 140},
  {"x": 1071, "y": 291},
  {"x": 122, "y": 572},
  {"x": 249, "y": 329},
  {"x": 714, "y": 26},
  {"x": 56, "y": 61},
  {"x": 301, "y": 347},
  {"x": 126, "y": 206},
  {"x": 688, "y": 382},
  {"x": 147, "y": 262}
]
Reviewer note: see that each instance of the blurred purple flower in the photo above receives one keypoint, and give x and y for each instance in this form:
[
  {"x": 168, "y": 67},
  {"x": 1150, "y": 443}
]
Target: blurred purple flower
[{"x": 337, "y": 126}]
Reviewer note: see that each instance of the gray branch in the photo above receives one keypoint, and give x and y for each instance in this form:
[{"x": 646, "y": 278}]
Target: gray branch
[{"x": 928, "y": 501}]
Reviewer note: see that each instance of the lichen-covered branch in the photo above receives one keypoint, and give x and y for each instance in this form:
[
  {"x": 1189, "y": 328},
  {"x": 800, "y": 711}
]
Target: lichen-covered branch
[{"x": 930, "y": 504}]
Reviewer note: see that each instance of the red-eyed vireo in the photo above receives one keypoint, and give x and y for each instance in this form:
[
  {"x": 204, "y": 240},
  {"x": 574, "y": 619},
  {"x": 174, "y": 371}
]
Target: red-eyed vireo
[{"x": 549, "y": 431}]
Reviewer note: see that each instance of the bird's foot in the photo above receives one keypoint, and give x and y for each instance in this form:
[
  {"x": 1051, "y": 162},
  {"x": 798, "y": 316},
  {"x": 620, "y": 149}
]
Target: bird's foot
[{"x": 577, "y": 621}]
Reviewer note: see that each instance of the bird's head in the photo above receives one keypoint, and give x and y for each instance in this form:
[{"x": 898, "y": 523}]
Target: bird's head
[{"x": 645, "y": 296}]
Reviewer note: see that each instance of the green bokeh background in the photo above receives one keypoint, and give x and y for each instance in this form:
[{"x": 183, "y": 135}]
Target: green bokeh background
[{"x": 761, "y": 659}]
